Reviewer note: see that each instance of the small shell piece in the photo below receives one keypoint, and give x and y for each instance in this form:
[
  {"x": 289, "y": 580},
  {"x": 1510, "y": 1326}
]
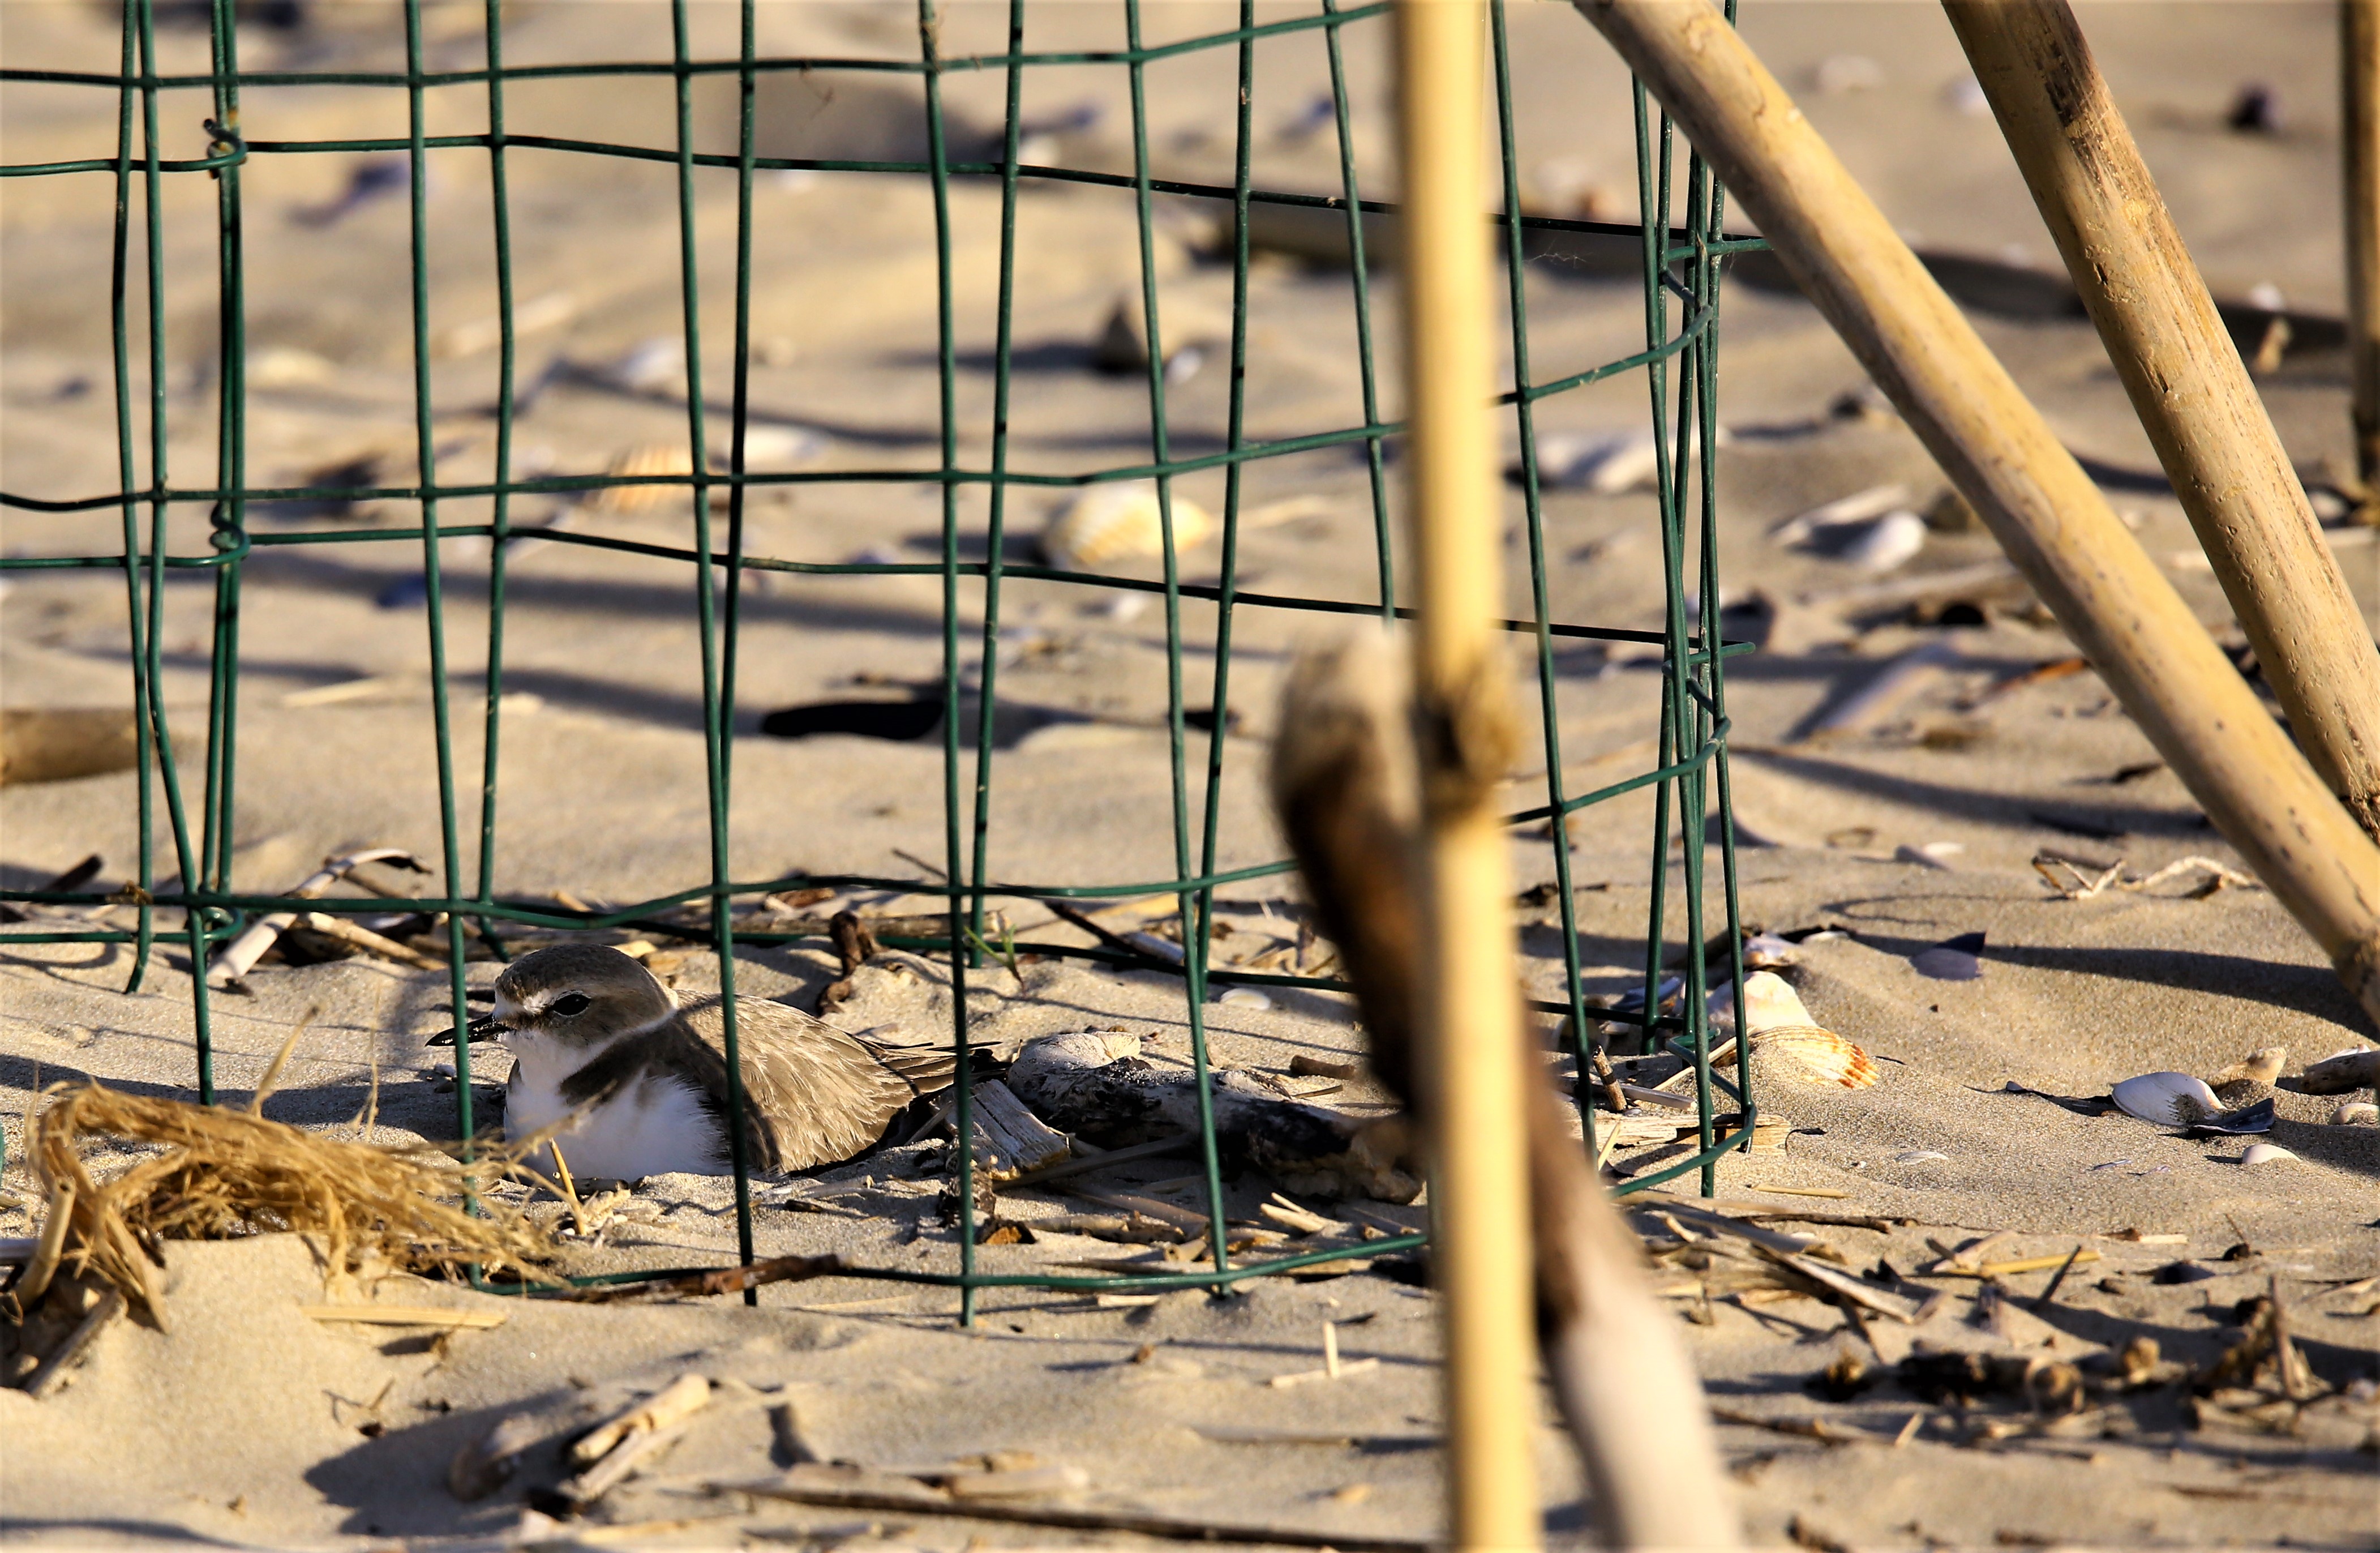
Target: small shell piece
[
  {"x": 2262, "y": 1066},
  {"x": 1953, "y": 960},
  {"x": 1120, "y": 522},
  {"x": 1781, "y": 1022},
  {"x": 2167, "y": 1099},
  {"x": 2356, "y": 1113},
  {"x": 2264, "y": 1154},
  {"x": 648, "y": 458}
]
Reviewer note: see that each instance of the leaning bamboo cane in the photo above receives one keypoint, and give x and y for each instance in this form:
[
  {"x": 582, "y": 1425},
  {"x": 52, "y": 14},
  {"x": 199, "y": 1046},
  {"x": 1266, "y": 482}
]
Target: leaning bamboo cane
[
  {"x": 2359, "y": 133},
  {"x": 2188, "y": 383},
  {"x": 1347, "y": 790},
  {"x": 2056, "y": 526},
  {"x": 1470, "y": 1008}
]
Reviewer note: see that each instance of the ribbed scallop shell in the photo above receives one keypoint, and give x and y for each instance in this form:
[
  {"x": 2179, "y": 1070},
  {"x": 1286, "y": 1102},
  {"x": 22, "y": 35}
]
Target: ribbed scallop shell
[
  {"x": 648, "y": 459},
  {"x": 1781, "y": 1022},
  {"x": 1119, "y": 521},
  {"x": 2167, "y": 1099}
]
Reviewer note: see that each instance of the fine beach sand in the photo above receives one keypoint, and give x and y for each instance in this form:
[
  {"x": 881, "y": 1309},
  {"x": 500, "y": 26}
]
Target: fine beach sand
[{"x": 246, "y": 1422}]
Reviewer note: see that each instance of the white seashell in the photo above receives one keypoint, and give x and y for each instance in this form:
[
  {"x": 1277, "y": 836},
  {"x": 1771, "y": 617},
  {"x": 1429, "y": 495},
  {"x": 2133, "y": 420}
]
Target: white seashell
[
  {"x": 1246, "y": 997},
  {"x": 1953, "y": 960},
  {"x": 2356, "y": 1113},
  {"x": 2262, "y": 1066},
  {"x": 1918, "y": 1156},
  {"x": 1604, "y": 462},
  {"x": 2264, "y": 1154},
  {"x": 2167, "y": 1099},
  {"x": 1767, "y": 951},
  {"x": 1120, "y": 522}
]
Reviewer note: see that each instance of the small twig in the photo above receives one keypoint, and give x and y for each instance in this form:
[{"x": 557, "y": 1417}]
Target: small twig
[
  {"x": 722, "y": 1280},
  {"x": 2041, "y": 1301},
  {"x": 45, "y": 1379}
]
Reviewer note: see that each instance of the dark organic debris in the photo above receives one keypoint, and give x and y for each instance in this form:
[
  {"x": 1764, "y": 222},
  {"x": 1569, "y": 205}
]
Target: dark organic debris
[
  {"x": 2257, "y": 1117},
  {"x": 1843, "y": 1379},
  {"x": 2182, "y": 1272}
]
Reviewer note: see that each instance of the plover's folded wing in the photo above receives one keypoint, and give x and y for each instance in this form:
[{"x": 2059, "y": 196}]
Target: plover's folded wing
[{"x": 814, "y": 1095}]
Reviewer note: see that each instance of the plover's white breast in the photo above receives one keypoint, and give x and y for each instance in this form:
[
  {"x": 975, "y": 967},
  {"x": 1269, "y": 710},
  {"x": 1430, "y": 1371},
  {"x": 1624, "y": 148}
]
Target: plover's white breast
[{"x": 654, "y": 1124}]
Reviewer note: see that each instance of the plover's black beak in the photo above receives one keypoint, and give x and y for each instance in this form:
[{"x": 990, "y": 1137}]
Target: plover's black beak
[{"x": 485, "y": 1028}]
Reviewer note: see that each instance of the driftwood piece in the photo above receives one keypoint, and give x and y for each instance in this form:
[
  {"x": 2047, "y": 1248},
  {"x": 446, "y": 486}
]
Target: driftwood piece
[
  {"x": 2112, "y": 599},
  {"x": 239, "y": 956},
  {"x": 1343, "y": 784},
  {"x": 682, "y": 1398},
  {"x": 1096, "y": 1082},
  {"x": 2337, "y": 1075},
  {"x": 835, "y": 1489},
  {"x": 1010, "y": 1140},
  {"x": 62, "y": 1358},
  {"x": 2187, "y": 382}
]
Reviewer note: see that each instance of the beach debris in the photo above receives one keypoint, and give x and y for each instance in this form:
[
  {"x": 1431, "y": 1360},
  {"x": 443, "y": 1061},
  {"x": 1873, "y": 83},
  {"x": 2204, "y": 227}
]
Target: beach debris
[
  {"x": 407, "y": 1316},
  {"x": 2042, "y": 1302},
  {"x": 1767, "y": 952},
  {"x": 855, "y": 946},
  {"x": 2167, "y": 1099},
  {"x": 1119, "y": 520},
  {"x": 1096, "y": 1084},
  {"x": 1918, "y": 1156},
  {"x": 616, "y": 1448},
  {"x": 2264, "y": 1154},
  {"x": 2261, "y": 1066},
  {"x": 1840, "y": 73},
  {"x": 2183, "y": 1271},
  {"x": 1936, "y": 855},
  {"x": 2089, "y": 1108},
  {"x": 2257, "y": 1117},
  {"x": 58, "y": 743},
  {"x": 1874, "y": 529},
  {"x": 1781, "y": 1022},
  {"x": 239, "y": 956},
  {"x": 2256, "y": 110},
  {"x": 1879, "y": 696},
  {"x": 1845, "y": 1378},
  {"x": 2048, "y": 1385},
  {"x": 2342, "y": 1072},
  {"x": 1245, "y": 997},
  {"x": 2356, "y": 1113},
  {"x": 1344, "y": 1368},
  {"x": 651, "y": 460},
  {"x": 220, "y": 1173},
  {"x": 1952, "y": 960},
  {"x": 52, "y": 1371},
  {"x": 1605, "y": 462},
  {"x": 1009, "y": 1139}
]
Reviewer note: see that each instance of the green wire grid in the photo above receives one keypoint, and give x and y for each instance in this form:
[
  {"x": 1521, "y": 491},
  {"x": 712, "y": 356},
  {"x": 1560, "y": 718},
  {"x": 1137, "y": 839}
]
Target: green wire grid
[{"x": 1680, "y": 264}]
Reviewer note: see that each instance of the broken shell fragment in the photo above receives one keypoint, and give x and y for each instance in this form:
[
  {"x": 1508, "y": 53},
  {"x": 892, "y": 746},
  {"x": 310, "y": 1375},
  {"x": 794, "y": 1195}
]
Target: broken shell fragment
[
  {"x": 1767, "y": 951},
  {"x": 1120, "y": 522},
  {"x": 1918, "y": 1156},
  {"x": 2262, "y": 1066},
  {"x": 2167, "y": 1099},
  {"x": 2264, "y": 1154},
  {"x": 2356, "y": 1113},
  {"x": 652, "y": 458}
]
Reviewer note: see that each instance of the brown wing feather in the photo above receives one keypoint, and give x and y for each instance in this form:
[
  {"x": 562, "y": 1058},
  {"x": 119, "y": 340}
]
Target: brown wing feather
[{"x": 815, "y": 1096}]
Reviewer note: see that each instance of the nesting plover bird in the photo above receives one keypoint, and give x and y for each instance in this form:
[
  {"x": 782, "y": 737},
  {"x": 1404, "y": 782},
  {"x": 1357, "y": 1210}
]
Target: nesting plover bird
[{"x": 636, "y": 1084}]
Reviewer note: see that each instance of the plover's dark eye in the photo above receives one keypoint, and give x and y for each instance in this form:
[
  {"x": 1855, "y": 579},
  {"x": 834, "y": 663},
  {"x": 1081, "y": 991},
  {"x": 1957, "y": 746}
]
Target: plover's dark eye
[{"x": 568, "y": 1006}]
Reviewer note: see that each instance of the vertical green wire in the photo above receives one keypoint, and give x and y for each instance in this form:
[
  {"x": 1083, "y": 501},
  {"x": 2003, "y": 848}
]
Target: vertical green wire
[
  {"x": 741, "y": 409},
  {"x": 1693, "y": 719},
  {"x": 119, "y": 285},
  {"x": 723, "y": 902},
  {"x": 228, "y": 520},
  {"x": 177, "y": 815},
  {"x": 963, "y": 1112},
  {"x": 1198, "y": 932},
  {"x": 1525, "y": 409},
  {"x": 434, "y": 581},
  {"x": 500, "y": 517},
  {"x": 1361, "y": 273},
  {"x": 995, "y": 560},
  {"x": 1161, "y": 438}
]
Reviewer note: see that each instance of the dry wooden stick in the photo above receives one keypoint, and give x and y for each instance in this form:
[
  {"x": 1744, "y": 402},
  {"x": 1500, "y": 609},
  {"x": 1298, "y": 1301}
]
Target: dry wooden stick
[
  {"x": 1346, "y": 789},
  {"x": 2187, "y": 382},
  {"x": 1468, "y": 1010},
  {"x": 2055, "y": 524},
  {"x": 2358, "y": 134}
]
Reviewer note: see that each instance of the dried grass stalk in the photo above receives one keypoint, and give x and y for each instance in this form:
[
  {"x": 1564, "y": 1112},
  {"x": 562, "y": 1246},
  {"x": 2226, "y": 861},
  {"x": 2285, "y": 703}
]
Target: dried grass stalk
[{"x": 226, "y": 1173}]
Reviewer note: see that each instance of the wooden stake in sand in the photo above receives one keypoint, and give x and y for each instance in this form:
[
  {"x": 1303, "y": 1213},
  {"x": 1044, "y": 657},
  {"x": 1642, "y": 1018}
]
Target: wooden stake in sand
[
  {"x": 1469, "y": 1017},
  {"x": 2054, "y": 523},
  {"x": 2187, "y": 382},
  {"x": 2358, "y": 134}
]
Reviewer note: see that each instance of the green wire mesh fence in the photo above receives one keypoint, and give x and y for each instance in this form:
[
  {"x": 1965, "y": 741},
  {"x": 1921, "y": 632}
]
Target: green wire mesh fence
[{"x": 1677, "y": 248}]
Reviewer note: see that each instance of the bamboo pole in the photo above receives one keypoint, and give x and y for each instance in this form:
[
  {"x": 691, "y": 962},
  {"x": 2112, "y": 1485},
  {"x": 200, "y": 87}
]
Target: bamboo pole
[
  {"x": 2358, "y": 101},
  {"x": 2119, "y": 609},
  {"x": 2187, "y": 382},
  {"x": 1470, "y": 1005}
]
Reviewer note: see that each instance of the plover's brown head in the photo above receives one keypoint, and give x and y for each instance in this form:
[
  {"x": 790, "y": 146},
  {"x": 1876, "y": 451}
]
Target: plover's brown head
[{"x": 580, "y": 995}]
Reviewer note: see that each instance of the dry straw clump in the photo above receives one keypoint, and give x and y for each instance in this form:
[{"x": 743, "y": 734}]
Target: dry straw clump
[{"x": 223, "y": 1173}]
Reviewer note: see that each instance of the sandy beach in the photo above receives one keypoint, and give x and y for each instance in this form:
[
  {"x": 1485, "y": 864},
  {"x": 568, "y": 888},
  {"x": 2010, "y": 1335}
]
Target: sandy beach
[{"x": 1870, "y": 827}]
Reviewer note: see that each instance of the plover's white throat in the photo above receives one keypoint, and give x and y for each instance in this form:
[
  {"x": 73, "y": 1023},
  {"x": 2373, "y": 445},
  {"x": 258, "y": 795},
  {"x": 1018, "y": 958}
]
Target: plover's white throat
[{"x": 638, "y": 1086}]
